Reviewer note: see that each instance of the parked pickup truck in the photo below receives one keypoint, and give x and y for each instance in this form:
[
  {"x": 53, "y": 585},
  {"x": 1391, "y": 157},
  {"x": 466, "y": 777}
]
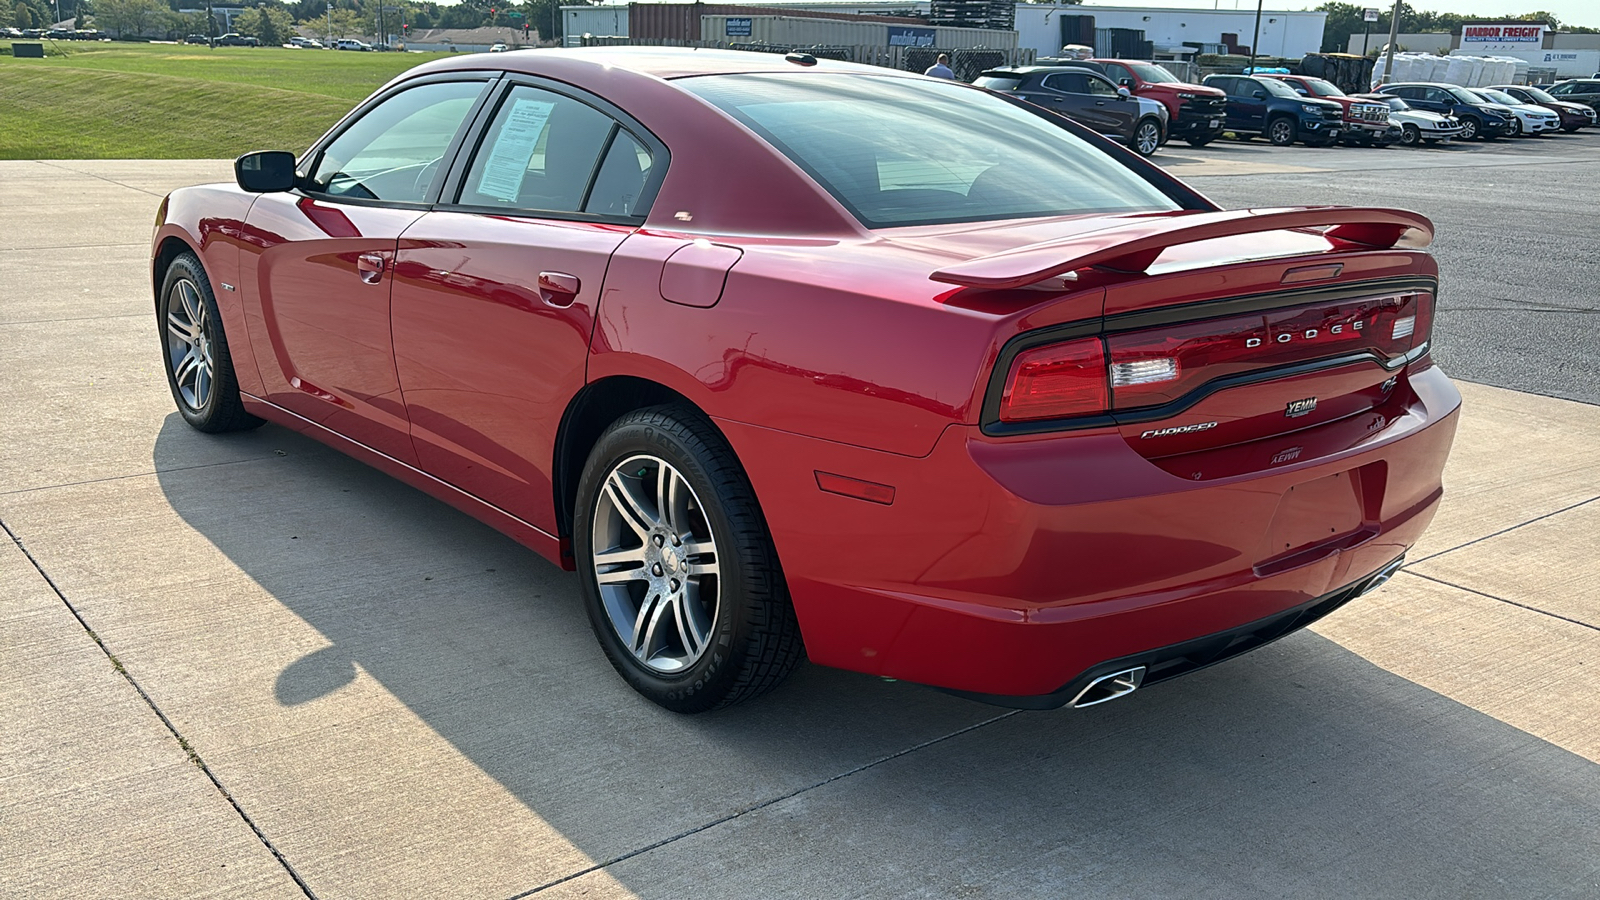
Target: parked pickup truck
[
  {"x": 1366, "y": 122},
  {"x": 1196, "y": 113},
  {"x": 1267, "y": 106}
]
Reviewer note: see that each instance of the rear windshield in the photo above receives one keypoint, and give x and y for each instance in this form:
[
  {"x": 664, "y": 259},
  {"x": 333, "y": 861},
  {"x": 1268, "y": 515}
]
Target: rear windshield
[
  {"x": 997, "y": 82},
  {"x": 897, "y": 151}
]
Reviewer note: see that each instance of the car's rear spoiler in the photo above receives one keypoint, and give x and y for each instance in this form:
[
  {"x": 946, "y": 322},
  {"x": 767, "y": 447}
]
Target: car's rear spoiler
[{"x": 1133, "y": 247}]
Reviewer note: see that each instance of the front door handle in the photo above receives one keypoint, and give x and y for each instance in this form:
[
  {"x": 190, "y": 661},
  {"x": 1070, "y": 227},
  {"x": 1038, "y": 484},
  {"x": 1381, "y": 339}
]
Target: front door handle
[
  {"x": 370, "y": 267},
  {"x": 558, "y": 288}
]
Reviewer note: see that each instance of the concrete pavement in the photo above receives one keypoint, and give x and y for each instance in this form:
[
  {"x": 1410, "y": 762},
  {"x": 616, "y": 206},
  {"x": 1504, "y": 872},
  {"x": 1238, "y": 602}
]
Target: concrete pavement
[{"x": 248, "y": 666}]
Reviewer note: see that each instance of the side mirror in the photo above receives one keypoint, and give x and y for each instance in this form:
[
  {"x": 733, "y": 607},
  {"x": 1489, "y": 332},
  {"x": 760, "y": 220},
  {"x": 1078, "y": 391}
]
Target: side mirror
[
  {"x": 265, "y": 171},
  {"x": 1260, "y": 95},
  {"x": 1124, "y": 93},
  {"x": 1302, "y": 92}
]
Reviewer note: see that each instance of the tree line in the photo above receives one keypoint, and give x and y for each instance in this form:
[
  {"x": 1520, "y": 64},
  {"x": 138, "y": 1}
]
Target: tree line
[{"x": 274, "y": 21}]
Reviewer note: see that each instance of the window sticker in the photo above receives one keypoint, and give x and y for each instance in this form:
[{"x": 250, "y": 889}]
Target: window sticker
[{"x": 513, "y": 147}]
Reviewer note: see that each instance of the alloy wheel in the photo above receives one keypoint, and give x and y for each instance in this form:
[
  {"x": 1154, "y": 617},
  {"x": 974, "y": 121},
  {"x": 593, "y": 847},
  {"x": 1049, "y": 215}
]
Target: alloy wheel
[
  {"x": 189, "y": 345},
  {"x": 1469, "y": 128},
  {"x": 655, "y": 563},
  {"x": 1282, "y": 132},
  {"x": 1147, "y": 138}
]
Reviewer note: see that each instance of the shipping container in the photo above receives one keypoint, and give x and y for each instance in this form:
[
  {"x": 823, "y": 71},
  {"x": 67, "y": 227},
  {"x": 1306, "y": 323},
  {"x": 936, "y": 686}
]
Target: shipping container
[{"x": 790, "y": 31}]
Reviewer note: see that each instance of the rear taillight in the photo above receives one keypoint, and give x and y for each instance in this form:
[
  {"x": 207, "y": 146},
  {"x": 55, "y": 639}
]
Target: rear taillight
[
  {"x": 1056, "y": 381},
  {"x": 1156, "y": 366},
  {"x": 1199, "y": 352}
]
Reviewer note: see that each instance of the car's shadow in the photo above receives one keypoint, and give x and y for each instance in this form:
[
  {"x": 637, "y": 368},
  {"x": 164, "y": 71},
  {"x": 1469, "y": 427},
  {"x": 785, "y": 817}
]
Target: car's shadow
[{"x": 1298, "y": 770}]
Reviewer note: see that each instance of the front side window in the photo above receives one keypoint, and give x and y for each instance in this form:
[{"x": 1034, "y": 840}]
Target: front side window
[
  {"x": 1066, "y": 83},
  {"x": 549, "y": 152},
  {"x": 896, "y": 151},
  {"x": 1101, "y": 87},
  {"x": 393, "y": 151}
]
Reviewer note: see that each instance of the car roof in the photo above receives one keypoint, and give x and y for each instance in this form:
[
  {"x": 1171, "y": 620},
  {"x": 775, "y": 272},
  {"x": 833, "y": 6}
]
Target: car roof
[
  {"x": 1031, "y": 70},
  {"x": 657, "y": 62}
]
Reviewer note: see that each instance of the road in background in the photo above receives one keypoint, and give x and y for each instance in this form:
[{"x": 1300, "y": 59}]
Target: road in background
[{"x": 1519, "y": 287}]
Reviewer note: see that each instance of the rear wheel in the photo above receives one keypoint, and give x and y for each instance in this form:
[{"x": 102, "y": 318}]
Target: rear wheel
[
  {"x": 1146, "y": 137},
  {"x": 198, "y": 366},
  {"x": 1410, "y": 135},
  {"x": 1282, "y": 131},
  {"x": 678, "y": 572}
]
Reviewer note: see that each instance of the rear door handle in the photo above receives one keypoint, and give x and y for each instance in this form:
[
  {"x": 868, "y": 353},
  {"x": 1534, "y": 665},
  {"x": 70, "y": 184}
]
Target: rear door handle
[
  {"x": 558, "y": 289},
  {"x": 370, "y": 267}
]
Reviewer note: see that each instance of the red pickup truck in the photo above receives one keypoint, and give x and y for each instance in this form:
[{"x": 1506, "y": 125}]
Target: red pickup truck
[
  {"x": 1197, "y": 111},
  {"x": 1366, "y": 122}
]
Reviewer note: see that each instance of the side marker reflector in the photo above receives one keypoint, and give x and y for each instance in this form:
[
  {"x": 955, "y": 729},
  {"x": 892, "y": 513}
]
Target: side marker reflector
[{"x": 870, "y": 491}]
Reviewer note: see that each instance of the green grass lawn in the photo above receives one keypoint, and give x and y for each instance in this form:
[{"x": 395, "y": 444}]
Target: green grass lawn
[{"x": 163, "y": 101}]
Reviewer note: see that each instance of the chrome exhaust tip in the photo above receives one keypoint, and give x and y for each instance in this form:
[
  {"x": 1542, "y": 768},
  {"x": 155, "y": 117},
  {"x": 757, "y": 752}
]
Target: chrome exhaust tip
[
  {"x": 1383, "y": 575},
  {"x": 1109, "y": 687}
]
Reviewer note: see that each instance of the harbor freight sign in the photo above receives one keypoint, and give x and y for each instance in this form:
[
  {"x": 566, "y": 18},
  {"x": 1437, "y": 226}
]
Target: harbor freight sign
[
  {"x": 1503, "y": 36},
  {"x": 900, "y": 36}
]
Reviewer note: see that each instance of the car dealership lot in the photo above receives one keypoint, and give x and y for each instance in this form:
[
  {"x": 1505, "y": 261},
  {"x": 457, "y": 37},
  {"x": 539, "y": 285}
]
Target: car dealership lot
[{"x": 387, "y": 699}]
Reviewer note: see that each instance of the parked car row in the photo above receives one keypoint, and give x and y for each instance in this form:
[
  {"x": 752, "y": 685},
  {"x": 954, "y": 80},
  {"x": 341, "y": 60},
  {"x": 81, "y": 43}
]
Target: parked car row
[
  {"x": 1143, "y": 105},
  {"x": 53, "y": 34}
]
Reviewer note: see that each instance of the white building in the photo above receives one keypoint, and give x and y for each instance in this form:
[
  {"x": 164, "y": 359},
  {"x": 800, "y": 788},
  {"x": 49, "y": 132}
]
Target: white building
[{"x": 1286, "y": 34}]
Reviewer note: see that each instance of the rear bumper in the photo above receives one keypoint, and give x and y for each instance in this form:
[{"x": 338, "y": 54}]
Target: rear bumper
[{"x": 1015, "y": 567}]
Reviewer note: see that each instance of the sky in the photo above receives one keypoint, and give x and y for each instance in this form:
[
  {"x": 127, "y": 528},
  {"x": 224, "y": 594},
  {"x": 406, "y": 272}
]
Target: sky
[{"x": 1570, "y": 12}]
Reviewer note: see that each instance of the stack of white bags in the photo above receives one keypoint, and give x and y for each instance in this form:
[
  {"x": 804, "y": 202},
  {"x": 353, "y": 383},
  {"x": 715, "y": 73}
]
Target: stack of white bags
[{"x": 1466, "y": 71}]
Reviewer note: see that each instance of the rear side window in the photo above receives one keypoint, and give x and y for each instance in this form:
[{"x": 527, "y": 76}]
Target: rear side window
[
  {"x": 548, "y": 152},
  {"x": 897, "y": 151}
]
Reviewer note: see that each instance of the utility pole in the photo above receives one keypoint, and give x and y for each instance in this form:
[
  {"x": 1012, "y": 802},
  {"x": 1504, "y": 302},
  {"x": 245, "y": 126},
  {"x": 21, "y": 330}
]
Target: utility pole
[
  {"x": 1394, "y": 37},
  {"x": 330, "y": 23},
  {"x": 1256, "y": 38}
]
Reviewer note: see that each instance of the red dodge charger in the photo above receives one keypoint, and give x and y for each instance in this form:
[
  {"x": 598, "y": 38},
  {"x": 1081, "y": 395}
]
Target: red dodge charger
[{"x": 798, "y": 359}]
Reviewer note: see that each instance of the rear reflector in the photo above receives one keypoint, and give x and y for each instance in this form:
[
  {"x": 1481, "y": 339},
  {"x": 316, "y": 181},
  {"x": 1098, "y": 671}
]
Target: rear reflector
[{"x": 1056, "y": 381}]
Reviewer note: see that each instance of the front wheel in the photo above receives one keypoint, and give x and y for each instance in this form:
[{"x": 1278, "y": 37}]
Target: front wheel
[
  {"x": 198, "y": 366},
  {"x": 1200, "y": 141},
  {"x": 1571, "y": 129},
  {"x": 1470, "y": 128},
  {"x": 1410, "y": 135},
  {"x": 1516, "y": 128},
  {"x": 1146, "y": 137},
  {"x": 678, "y": 572},
  {"x": 1282, "y": 132}
]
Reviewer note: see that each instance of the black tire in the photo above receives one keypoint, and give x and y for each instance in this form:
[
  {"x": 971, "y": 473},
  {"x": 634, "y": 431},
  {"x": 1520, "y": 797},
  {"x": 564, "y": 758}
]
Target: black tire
[
  {"x": 752, "y": 640},
  {"x": 208, "y": 396},
  {"x": 1146, "y": 134},
  {"x": 1200, "y": 141},
  {"x": 1571, "y": 129},
  {"x": 1282, "y": 131},
  {"x": 1471, "y": 128},
  {"x": 1516, "y": 127},
  {"x": 1410, "y": 135}
]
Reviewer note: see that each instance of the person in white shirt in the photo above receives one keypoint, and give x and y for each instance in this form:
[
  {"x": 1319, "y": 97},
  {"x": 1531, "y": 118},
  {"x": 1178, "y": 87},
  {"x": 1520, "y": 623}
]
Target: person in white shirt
[{"x": 941, "y": 68}]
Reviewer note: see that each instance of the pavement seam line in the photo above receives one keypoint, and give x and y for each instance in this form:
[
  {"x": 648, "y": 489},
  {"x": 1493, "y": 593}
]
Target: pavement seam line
[
  {"x": 138, "y": 315},
  {"x": 67, "y": 484},
  {"x": 1506, "y": 530},
  {"x": 101, "y": 177},
  {"x": 760, "y": 806},
  {"x": 183, "y": 744},
  {"x": 1430, "y": 168},
  {"x": 1488, "y": 596}
]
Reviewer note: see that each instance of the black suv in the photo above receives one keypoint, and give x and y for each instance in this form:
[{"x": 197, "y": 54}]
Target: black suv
[
  {"x": 1270, "y": 107},
  {"x": 1578, "y": 90},
  {"x": 1479, "y": 118},
  {"x": 1088, "y": 98}
]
